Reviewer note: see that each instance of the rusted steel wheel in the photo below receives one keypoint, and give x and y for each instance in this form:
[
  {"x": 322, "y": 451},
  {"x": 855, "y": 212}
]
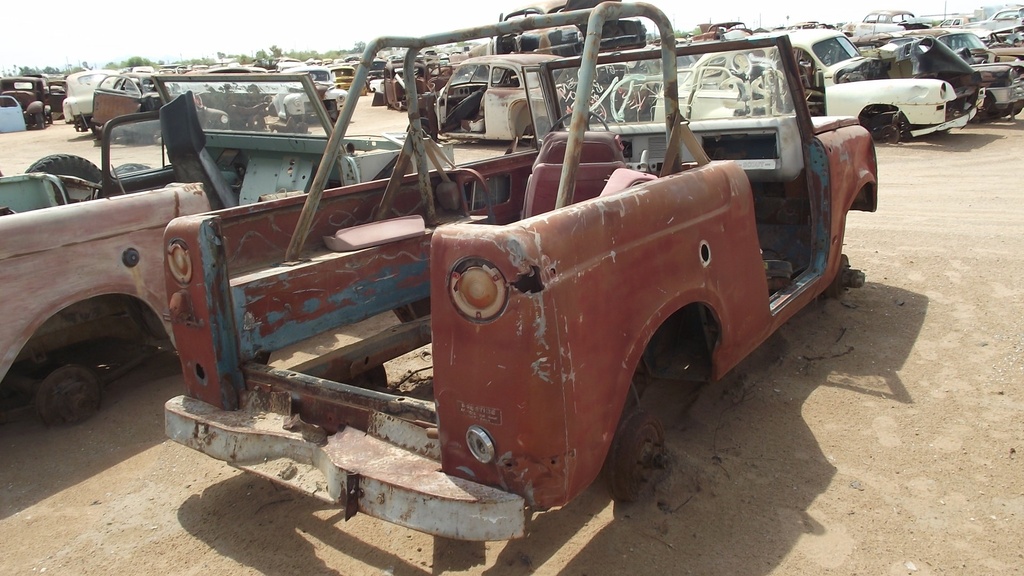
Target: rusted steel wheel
[
  {"x": 836, "y": 287},
  {"x": 69, "y": 394},
  {"x": 636, "y": 451}
]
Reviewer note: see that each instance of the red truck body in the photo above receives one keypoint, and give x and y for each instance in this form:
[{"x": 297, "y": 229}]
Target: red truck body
[{"x": 542, "y": 323}]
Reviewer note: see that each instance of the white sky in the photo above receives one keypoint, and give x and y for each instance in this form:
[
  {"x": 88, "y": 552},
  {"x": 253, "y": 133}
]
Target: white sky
[{"x": 170, "y": 31}]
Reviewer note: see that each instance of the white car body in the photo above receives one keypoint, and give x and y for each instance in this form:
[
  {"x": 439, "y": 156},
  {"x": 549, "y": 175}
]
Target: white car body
[
  {"x": 922, "y": 100},
  {"x": 81, "y": 85},
  {"x": 1010, "y": 17},
  {"x": 880, "y": 21},
  {"x": 295, "y": 105},
  {"x": 503, "y": 113}
]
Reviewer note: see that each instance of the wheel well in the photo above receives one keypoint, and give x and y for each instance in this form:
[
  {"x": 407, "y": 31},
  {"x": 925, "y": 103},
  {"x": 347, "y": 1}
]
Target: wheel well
[
  {"x": 867, "y": 198},
  {"x": 116, "y": 316},
  {"x": 522, "y": 123},
  {"x": 884, "y": 121},
  {"x": 681, "y": 348}
]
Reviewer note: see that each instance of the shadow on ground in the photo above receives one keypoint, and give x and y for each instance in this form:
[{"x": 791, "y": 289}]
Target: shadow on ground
[
  {"x": 744, "y": 469},
  {"x": 130, "y": 421}
]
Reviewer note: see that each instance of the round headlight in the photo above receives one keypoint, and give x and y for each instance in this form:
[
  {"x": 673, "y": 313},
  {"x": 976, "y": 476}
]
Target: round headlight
[
  {"x": 480, "y": 444},
  {"x": 478, "y": 289}
]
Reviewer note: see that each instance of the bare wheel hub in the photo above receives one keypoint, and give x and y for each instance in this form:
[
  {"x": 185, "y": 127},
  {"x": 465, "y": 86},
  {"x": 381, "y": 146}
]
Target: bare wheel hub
[
  {"x": 637, "y": 450},
  {"x": 67, "y": 395}
]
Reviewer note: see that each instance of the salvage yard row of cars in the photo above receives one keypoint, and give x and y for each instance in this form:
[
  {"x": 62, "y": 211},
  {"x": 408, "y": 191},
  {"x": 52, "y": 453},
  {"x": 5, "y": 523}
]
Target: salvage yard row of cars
[
  {"x": 676, "y": 170},
  {"x": 898, "y": 76}
]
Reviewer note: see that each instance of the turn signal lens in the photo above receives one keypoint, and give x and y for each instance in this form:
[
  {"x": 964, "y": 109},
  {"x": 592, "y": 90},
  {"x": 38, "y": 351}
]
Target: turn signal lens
[
  {"x": 179, "y": 263},
  {"x": 478, "y": 289}
]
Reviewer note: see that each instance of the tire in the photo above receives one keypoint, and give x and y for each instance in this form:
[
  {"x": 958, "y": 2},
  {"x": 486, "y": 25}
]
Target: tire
[
  {"x": 67, "y": 165},
  {"x": 40, "y": 121},
  {"x": 125, "y": 169}
]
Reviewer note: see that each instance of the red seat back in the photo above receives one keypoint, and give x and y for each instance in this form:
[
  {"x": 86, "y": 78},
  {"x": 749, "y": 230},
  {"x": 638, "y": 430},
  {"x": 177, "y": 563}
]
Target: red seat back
[{"x": 601, "y": 155}]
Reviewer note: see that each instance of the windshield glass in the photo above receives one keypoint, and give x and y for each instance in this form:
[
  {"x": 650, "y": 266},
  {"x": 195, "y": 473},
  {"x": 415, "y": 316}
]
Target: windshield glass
[
  {"x": 252, "y": 103},
  {"x": 835, "y": 50},
  {"x": 959, "y": 41},
  {"x": 320, "y": 75},
  {"x": 735, "y": 84}
]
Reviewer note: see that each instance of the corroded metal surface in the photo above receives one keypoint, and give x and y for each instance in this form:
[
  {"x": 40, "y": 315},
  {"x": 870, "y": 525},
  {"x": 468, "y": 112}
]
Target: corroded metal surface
[
  {"x": 594, "y": 21},
  {"x": 394, "y": 484},
  {"x": 89, "y": 238},
  {"x": 530, "y": 385}
]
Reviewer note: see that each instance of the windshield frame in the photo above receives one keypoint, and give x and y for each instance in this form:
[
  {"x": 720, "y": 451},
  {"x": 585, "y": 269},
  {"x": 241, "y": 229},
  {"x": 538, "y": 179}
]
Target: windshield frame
[
  {"x": 298, "y": 83},
  {"x": 546, "y": 110}
]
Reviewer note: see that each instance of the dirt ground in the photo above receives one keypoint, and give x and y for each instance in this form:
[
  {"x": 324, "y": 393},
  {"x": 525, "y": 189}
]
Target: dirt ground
[{"x": 874, "y": 435}]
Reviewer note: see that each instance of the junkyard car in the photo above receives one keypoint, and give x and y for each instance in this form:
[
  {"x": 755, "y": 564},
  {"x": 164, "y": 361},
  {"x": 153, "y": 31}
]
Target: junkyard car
[
  {"x": 560, "y": 281},
  {"x": 122, "y": 94},
  {"x": 343, "y": 75},
  {"x": 296, "y": 112},
  {"x": 78, "y": 102},
  {"x": 32, "y": 93},
  {"x": 721, "y": 31},
  {"x": 57, "y": 88},
  {"x": 1003, "y": 81},
  {"x": 430, "y": 77},
  {"x": 881, "y": 91},
  {"x": 107, "y": 254},
  {"x": 885, "y": 21},
  {"x": 375, "y": 75},
  {"x": 1011, "y": 17},
  {"x": 485, "y": 98}
]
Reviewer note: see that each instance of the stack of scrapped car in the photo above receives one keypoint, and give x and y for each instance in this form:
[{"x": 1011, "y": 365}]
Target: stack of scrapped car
[{"x": 897, "y": 91}]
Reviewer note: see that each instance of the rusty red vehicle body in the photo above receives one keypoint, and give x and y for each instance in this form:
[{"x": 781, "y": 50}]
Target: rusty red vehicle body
[{"x": 671, "y": 245}]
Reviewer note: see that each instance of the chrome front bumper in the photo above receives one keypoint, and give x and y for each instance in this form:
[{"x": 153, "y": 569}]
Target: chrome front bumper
[{"x": 359, "y": 471}]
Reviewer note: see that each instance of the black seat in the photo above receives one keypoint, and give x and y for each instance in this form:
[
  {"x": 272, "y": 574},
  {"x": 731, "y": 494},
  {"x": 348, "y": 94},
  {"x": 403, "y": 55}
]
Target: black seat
[{"x": 186, "y": 149}]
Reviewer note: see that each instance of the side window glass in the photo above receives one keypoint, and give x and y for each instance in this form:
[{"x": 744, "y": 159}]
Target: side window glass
[{"x": 504, "y": 78}]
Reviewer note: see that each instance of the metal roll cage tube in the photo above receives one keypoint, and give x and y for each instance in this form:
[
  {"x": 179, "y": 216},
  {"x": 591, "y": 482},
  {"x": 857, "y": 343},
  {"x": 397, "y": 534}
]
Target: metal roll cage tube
[{"x": 594, "y": 19}]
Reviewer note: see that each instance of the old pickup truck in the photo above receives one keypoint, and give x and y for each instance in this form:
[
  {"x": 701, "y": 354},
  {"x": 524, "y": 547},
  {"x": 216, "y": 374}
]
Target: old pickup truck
[
  {"x": 681, "y": 207},
  {"x": 81, "y": 248}
]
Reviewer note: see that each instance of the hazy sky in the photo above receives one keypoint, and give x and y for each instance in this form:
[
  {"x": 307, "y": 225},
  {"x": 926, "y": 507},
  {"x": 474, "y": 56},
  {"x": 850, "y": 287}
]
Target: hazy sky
[{"x": 115, "y": 30}]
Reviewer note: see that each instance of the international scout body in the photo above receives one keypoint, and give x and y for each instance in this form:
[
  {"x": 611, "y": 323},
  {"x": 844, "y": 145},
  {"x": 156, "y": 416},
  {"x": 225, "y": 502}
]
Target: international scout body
[
  {"x": 81, "y": 254},
  {"x": 681, "y": 206}
]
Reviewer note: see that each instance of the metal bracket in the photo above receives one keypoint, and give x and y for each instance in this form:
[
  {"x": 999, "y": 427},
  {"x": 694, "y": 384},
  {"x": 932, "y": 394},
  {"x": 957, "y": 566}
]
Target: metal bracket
[{"x": 352, "y": 493}]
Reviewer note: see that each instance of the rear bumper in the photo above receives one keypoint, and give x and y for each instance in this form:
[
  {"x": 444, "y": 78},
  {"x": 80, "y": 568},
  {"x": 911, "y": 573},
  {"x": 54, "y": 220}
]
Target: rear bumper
[{"x": 351, "y": 468}]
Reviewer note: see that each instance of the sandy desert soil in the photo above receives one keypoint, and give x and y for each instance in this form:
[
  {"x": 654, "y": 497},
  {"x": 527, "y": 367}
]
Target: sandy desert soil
[{"x": 875, "y": 435}]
